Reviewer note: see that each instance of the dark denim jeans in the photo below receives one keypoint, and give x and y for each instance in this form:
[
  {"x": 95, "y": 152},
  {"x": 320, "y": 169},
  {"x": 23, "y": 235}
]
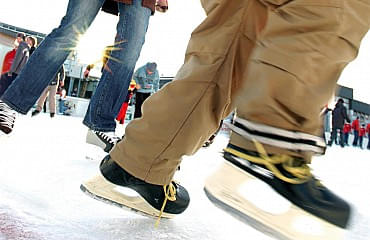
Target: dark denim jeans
[
  {"x": 55, "y": 48},
  {"x": 355, "y": 139}
]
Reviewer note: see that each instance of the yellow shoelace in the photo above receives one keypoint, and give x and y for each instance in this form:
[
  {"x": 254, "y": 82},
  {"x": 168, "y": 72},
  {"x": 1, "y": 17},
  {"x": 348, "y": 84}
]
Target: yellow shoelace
[
  {"x": 300, "y": 170},
  {"x": 170, "y": 194}
]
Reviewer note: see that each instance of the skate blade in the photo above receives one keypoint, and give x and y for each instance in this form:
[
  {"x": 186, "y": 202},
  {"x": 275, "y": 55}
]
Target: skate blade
[
  {"x": 101, "y": 189},
  {"x": 289, "y": 223}
]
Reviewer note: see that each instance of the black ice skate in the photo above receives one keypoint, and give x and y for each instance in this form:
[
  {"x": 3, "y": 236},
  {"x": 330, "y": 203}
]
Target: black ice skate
[
  {"x": 104, "y": 140},
  {"x": 35, "y": 112},
  {"x": 7, "y": 118},
  {"x": 277, "y": 194},
  {"x": 154, "y": 200}
]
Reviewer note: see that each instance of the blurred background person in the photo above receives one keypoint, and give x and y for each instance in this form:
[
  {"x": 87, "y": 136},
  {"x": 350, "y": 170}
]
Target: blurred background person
[
  {"x": 122, "y": 113},
  {"x": 356, "y": 128},
  {"x": 346, "y": 132},
  {"x": 51, "y": 90},
  {"x": 20, "y": 59},
  {"x": 361, "y": 135},
  {"x": 9, "y": 56},
  {"x": 147, "y": 83},
  {"x": 339, "y": 114}
]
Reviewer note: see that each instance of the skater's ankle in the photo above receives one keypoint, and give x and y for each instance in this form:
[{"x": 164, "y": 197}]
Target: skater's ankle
[{"x": 249, "y": 145}]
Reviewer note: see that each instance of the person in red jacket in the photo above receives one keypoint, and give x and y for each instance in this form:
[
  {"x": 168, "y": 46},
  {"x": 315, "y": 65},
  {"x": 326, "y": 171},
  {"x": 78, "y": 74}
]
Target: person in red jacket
[
  {"x": 8, "y": 60},
  {"x": 361, "y": 135},
  {"x": 9, "y": 56},
  {"x": 368, "y": 135},
  {"x": 356, "y": 129},
  {"x": 122, "y": 113},
  {"x": 346, "y": 130}
]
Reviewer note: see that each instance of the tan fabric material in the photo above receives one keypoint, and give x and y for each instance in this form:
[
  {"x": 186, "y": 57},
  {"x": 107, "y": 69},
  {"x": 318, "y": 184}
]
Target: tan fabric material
[
  {"x": 51, "y": 90},
  {"x": 282, "y": 58}
]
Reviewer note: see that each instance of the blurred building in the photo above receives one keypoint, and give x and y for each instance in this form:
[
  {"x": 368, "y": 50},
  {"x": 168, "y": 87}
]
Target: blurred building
[{"x": 355, "y": 108}]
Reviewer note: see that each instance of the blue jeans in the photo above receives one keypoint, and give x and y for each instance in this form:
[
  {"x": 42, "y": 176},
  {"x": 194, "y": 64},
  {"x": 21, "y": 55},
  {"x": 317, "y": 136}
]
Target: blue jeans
[
  {"x": 355, "y": 140},
  {"x": 55, "y": 48},
  {"x": 62, "y": 108}
]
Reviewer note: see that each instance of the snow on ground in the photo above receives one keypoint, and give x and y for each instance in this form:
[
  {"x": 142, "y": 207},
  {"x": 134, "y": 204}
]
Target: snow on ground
[{"x": 44, "y": 162}]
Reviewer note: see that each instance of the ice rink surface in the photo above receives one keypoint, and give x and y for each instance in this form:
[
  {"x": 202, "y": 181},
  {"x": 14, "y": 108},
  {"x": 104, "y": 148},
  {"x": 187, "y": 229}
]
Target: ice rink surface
[{"x": 44, "y": 162}]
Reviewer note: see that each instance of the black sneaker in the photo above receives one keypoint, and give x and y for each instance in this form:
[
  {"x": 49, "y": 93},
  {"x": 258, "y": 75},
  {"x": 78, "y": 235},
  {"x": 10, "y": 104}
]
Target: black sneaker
[
  {"x": 152, "y": 199},
  {"x": 52, "y": 115},
  {"x": 7, "y": 118},
  {"x": 104, "y": 140},
  {"x": 35, "y": 112},
  {"x": 288, "y": 178}
]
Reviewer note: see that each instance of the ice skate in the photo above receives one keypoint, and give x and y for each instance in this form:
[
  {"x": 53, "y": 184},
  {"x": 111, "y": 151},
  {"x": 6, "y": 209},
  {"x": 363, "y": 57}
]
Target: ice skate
[
  {"x": 35, "y": 113},
  {"x": 277, "y": 195},
  {"x": 104, "y": 140},
  {"x": 113, "y": 183},
  {"x": 7, "y": 119}
]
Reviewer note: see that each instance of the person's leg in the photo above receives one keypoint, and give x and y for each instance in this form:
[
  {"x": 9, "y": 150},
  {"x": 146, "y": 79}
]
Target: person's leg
[
  {"x": 278, "y": 58},
  {"x": 50, "y": 55},
  {"x": 52, "y": 98},
  {"x": 333, "y": 136},
  {"x": 182, "y": 115},
  {"x": 360, "y": 141},
  {"x": 179, "y": 118},
  {"x": 279, "y": 79},
  {"x": 61, "y": 106},
  {"x": 112, "y": 89},
  {"x": 278, "y": 127},
  {"x": 355, "y": 139},
  {"x": 41, "y": 101},
  {"x": 140, "y": 99},
  {"x": 346, "y": 135},
  {"x": 5, "y": 82},
  {"x": 138, "y": 104},
  {"x": 44, "y": 107},
  {"x": 341, "y": 138}
]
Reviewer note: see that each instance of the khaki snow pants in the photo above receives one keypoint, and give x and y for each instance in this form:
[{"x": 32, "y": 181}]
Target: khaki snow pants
[{"x": 275, "y": 61}]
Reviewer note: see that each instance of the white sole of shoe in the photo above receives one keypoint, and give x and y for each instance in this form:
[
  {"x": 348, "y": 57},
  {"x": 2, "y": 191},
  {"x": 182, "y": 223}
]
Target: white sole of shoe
[
  {"x": 101, "y": 189},
  {"x": 286, "y": 221}
]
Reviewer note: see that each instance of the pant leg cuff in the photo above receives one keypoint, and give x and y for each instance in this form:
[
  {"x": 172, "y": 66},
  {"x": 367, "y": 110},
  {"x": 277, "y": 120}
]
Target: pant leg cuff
[{"x": 14, "y": 107}]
